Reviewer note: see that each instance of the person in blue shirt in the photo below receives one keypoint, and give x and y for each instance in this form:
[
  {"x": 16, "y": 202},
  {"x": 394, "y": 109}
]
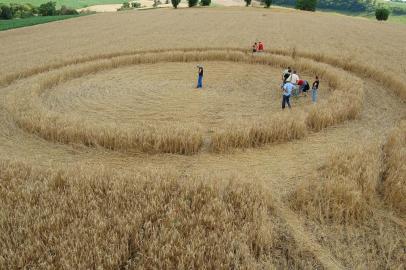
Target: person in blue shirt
[
  {"x": 315, "y": 89},
  {"x": 287, "y": 91},
  {"x": 200, "y": 77}
]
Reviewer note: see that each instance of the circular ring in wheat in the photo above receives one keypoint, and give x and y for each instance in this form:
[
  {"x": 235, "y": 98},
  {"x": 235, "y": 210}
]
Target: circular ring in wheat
[{"x": 182, "y": 136}]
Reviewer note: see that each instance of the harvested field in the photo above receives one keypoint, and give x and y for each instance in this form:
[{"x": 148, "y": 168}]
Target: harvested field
[{"x": 110, "y": 158}]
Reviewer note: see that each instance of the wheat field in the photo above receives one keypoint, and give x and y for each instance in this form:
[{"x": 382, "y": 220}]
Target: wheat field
[{"x": 111, "y": 159}]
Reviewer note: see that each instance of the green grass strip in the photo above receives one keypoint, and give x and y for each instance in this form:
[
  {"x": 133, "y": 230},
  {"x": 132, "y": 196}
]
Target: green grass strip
[{"x": 17, "y": 23}]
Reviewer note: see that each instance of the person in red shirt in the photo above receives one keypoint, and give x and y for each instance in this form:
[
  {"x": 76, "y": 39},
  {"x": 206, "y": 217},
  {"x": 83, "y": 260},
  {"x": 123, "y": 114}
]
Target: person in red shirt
[
  {"x": 260, "y": 46},
  {"x": 303, "y": 87},
  {"x": 300, "y": 83}
]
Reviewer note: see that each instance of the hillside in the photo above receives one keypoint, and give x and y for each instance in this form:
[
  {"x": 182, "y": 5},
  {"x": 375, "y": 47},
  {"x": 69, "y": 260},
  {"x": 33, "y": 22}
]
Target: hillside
[{"x": 110, "y": 157}]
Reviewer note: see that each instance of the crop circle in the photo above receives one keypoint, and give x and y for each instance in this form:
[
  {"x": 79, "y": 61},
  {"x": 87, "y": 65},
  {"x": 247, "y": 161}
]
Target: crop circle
[
  {"x": 146, "y": 102},
  {"x": 165, "y": 93}
]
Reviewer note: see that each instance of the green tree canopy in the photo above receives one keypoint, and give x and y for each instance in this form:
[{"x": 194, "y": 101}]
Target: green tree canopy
[
  {"x": 267, "y": 3},
  {"x": 47, "y": 9},
  {"x": 381, "y": 13},
  {"x": 309, "y": 5},
  {"x": 175, "y": 3}
]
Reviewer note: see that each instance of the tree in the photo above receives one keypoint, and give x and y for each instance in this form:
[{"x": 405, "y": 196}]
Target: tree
[
  {"x": 135, "y": 4},
  {"x": 175, "y": 3},
  {"x": 381, "y": 13},
  {"x": 267, "y": 3},
  {"x": 309, "y": 5},
  {"x": 15, "y": 10},
  {"x": 247, "y": 2},
  {"x": 47, "y": 9},
  {"x": 156, "y": 3},
  {"x": 192, "y": 3},
  {"x": 6, "y": 12},
  {"x": 67, "y": 11},
  {"x": 205, "y": 2}
]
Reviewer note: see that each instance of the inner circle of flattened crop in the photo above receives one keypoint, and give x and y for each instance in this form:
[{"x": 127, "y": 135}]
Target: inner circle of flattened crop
[
  {"x": 149, "y": 104},
  {"x": 166, "y": 93}
]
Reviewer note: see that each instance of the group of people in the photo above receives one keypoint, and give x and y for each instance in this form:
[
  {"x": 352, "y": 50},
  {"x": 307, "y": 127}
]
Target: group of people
[
  {"x": 293, "y": 85},
  {"x": 258, "y": 47}
]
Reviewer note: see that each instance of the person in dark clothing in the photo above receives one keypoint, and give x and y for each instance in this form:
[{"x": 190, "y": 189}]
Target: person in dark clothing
[
  {"x": 306, "y": 88},
  {"x": 255, "y": 48},
  {"x": 200, "y": 77},
  {"x": 315, "y": 89},
  {"x": 286, "y": 75}
]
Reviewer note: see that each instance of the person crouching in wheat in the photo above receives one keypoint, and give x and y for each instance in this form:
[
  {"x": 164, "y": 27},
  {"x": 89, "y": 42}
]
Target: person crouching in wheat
[{"x": 200, "y": 77}]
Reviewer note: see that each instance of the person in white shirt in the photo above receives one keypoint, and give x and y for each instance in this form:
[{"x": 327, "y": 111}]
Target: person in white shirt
[{"x": 295, "y": 79}]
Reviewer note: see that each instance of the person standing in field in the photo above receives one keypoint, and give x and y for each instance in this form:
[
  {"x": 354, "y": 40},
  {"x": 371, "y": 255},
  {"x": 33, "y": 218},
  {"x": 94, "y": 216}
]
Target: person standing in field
[
  {"x": 200, "y": 77},
  {"x": 287, "y": 91},
  {"x": 254, "y": 48},
  {"x": 294, "y": 80},
  {"x": 315, "y": 89},
  {"x": 260, "y": 47},
  {"x": 286, "y": 75}
]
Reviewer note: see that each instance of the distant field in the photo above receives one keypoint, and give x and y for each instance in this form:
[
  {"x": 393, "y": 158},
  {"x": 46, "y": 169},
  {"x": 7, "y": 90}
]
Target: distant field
[
  {"x": 392, "y": 18},
  {"x": 68, "y": 3},
  {"x": 398, "y": 19},
  {"x": 371, "y": 15},
  {"x": 393, "y": 4},
  {"x": 17, "y": 23},
  {"x": 86, "y": 3}
]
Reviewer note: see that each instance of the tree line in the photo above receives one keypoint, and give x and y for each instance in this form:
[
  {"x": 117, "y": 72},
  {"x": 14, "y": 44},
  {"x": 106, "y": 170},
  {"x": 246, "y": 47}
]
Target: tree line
[
  {"x": 16, "y": 11},
  {"x": 381, "y": 12},
  {"x": 342, "y": 5},
  {"x": 192, "y": 3}
]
